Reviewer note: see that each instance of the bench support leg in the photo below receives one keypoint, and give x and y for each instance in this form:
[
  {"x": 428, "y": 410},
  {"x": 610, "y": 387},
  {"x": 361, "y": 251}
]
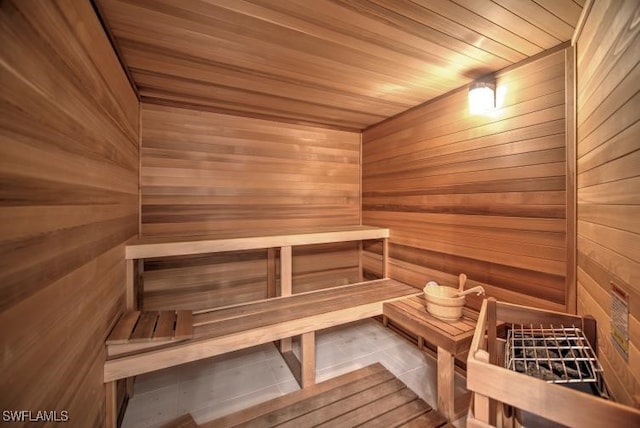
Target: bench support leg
[
  {"x": 111, "y": 404},
  {"x": 271, "y": 273},
  {"x": 285, "y": 286},
  {"x": 385, "y": 258},
  {"x": 304, "y": 368},
  {"x": 446, "y": 365},
  {"x": 130, "y": 285},
  {"x": 360, "y": 267},
  {"x": 308, "y": 357},
  {"x": 285, "y": 345}
]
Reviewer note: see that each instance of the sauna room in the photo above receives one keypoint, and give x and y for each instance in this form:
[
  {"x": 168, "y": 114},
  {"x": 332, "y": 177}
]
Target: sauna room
[{"x": 417, "y": 213}]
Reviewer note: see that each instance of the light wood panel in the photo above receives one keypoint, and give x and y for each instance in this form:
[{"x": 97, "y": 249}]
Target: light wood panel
[
  {"x": 69, "y": 172},
  {"x": 480, "y": 195},
  {"x": 608, "y": 119},
  {"x": 205, "y": 174},
  {"x": 341, "y": 63}
]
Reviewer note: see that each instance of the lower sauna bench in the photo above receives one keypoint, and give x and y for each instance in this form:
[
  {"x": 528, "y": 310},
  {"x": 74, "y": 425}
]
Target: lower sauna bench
[{"x": 370, "y": 396}]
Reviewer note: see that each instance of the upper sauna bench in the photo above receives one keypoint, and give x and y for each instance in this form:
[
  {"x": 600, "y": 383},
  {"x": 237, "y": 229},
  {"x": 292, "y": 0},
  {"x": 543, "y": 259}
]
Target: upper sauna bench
[
  {"x": 282, "y": 239},
  {"x": 238, "y": 241}
]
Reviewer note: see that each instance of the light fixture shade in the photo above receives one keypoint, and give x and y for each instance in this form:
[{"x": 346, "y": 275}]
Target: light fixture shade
[{"x": 482, "y": 97}]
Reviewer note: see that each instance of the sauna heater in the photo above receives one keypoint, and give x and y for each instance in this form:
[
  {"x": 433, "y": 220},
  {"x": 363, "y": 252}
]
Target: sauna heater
[{"x": 557, "y": 355}]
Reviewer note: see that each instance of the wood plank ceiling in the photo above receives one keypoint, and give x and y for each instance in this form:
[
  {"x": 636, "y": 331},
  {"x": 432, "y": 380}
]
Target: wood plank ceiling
[{"x": 341, "y": 63}]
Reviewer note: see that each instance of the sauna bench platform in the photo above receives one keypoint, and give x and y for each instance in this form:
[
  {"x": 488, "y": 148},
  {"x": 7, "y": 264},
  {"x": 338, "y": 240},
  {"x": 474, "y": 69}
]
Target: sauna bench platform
[
  {"x": 451, "y": 339},
  {"x": 218, "y": 331},
  {"x": 162, "y": 247},
  {"x": 370, "y": 396},
  {"x": 284, "y": 240}
]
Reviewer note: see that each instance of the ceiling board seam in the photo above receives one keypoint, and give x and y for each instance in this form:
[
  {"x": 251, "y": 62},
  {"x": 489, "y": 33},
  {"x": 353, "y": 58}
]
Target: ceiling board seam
[
  {"x": 474, "y": 31},
  {"x": 556, "y": 15},
  {"x": 401, "y": 16},
  {"x": 361, "y": 37},
  {"x": 501, "y": 26},
  {"x": 527, "y": 19},
  {"x": 559, "y": 40}
]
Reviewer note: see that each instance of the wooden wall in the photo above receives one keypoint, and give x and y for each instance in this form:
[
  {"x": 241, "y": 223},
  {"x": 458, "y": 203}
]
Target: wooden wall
[
  {"x": 210, "y": 173},
  {"x": 69, "y": 199},
  {"x": 480, "y": 195},
  {"x": 608, "y": 180}
]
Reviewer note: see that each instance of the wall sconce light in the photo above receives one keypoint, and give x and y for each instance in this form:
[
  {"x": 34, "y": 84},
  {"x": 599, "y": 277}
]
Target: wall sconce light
[{"x": 482, "y": 96}]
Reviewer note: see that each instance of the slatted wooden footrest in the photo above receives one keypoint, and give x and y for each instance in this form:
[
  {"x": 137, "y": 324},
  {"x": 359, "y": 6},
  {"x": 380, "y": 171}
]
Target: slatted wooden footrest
[
  {"x": 151, "y": 326},
  {"x": 370, "y": 396}
]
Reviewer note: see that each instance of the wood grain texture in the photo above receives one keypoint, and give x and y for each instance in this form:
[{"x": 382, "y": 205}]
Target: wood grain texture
[
  {"x": 234, "y": 277},
  {"x": 241, "y": 240},
  {"x": 480, "y": 195},
  {"x": 204, "y": 173},
  {"x": 450, "y": 338},
  {"x": 223, "y": 330},
  {"x": 608, "y": 120},
  {"x": 371, "y": 396},
  {"x": 68, "y": 202},
  {"x": 211, "y": 174},
  {"x": 340, "y": 63}
]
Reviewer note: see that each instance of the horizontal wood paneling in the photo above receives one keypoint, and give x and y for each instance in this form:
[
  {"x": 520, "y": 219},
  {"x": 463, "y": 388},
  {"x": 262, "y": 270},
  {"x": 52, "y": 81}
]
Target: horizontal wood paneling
[
  {"x": 340, "y": 63},
  {"x": 68, "y": 201},
  {"x": 608, "y": 180},
  {"x": 480, "y": 195},
  {"x": 206, "y": 173},
  {"x": 228, "y": 278}
]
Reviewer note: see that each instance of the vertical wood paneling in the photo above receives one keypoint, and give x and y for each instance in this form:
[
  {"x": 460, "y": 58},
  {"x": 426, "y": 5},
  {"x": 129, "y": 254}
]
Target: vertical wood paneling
[
  {"x": 207, "y": 173},
  {"x": 608, "y": 180},
  {"x": 68, "y": 201},
  {"x": 480, "y": 195}
]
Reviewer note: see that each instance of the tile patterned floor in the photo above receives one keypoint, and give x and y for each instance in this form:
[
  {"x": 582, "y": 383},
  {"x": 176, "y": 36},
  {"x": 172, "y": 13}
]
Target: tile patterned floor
[{"x": 220, "y": 385}]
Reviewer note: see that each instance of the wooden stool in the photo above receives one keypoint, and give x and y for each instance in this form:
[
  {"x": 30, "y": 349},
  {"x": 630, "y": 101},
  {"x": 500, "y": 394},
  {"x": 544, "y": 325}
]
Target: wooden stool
[{"x": 451, "y": 338}]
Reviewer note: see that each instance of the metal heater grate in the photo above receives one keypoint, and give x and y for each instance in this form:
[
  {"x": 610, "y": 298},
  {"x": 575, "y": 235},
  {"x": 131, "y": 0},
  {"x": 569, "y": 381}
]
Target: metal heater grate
[{"x": 556, "y": 355}]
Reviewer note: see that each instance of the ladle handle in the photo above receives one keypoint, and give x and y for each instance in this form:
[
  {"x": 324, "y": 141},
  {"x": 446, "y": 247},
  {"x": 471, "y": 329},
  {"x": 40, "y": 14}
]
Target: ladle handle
[
  {"x": 461, "y": 280},
  {"x": 478, "y": 289}
]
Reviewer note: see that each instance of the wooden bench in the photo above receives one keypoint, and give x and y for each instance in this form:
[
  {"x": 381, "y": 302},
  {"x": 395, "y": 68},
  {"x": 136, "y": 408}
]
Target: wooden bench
[
  {"x": 223, "y": 330},
  {"x": 153, "y": 247},
  {"x": 370, "y": 396}
]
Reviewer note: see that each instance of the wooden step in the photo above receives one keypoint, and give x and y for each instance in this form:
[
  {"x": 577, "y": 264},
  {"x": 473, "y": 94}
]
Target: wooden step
[
  {"x": 151, "y": 326},
  {"x": 371, "y": 396}
]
